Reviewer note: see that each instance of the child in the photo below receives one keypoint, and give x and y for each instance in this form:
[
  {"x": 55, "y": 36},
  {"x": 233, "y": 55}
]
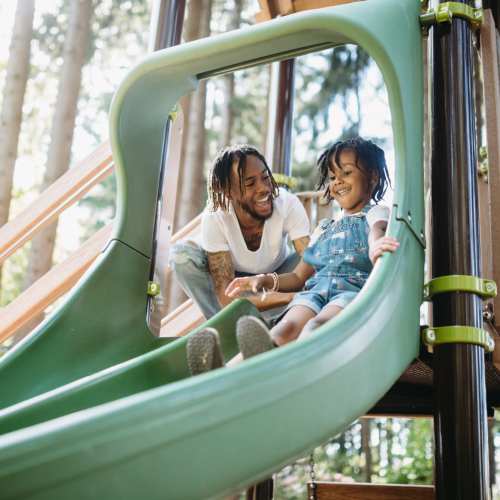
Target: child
[{"x": 334, "y": 267}]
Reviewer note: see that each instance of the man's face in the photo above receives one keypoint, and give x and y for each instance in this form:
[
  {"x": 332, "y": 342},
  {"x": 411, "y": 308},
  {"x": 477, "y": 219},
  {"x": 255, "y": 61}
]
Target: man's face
[{"x": 255, "y": 199}]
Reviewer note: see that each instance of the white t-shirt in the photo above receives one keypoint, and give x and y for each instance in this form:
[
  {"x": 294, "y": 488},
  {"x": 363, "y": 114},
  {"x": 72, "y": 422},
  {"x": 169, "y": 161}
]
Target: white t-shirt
[
  {"x": 378, "y": 213},
  {"x": 221, "y": 232}
]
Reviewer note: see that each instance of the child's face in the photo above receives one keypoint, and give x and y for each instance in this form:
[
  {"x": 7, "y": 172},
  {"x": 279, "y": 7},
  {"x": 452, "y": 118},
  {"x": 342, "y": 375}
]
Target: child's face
[{"x": 349, "y": 184}]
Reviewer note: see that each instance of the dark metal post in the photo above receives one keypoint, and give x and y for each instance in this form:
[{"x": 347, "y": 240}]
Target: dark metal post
[
  {"x": 462, "y": 469},
  {"x": 281, "y": 160},
  {"x": 170, "y": 20}
]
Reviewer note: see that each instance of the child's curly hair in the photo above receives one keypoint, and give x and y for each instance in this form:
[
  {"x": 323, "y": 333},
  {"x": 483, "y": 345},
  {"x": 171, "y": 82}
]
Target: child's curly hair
[
  {"x": 369, "y": 158},
  {"x": 219, "y": 176}
]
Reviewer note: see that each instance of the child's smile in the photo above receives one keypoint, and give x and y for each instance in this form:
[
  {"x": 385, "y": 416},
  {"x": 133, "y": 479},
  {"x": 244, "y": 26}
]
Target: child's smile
[{"x": 349, "y": 184}]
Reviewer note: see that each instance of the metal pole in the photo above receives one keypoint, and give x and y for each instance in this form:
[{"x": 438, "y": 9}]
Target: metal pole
[
  {"x": 166, "y": 23},
  {"x": 460, "y": 419},
  {"x": 166, "y": 27},
  {"x": 281, "y": 159}
]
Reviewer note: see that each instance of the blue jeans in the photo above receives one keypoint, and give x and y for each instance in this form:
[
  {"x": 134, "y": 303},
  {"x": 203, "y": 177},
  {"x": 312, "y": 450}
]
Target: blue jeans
[{"x": 189, "y": 263}]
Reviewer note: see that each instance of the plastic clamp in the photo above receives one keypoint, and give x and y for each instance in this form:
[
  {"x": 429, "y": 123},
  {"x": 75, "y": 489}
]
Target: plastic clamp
[
  {"x": 174, "y": 112},
  {"x": 446, "y": 11},
  {"x": 285, "y": 180},
  {"x": 153, "y": 288},
  {"x": 458, "y": 335},
  {"x": 460, "y": 283}
]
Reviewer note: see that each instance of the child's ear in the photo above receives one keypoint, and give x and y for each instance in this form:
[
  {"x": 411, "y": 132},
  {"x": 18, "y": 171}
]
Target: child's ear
[{"x": 374, "y": 180}]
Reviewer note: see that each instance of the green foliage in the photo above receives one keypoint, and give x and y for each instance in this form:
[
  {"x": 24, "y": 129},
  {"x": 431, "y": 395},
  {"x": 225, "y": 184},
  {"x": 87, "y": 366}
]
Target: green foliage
[
  {"x": 100, "y": 205},
  {"x": 401, "y": 451},
  {"x": 327, "y": 77},
  {"x": 118, "y": 39},
  {"x": 13, "y": 274}
]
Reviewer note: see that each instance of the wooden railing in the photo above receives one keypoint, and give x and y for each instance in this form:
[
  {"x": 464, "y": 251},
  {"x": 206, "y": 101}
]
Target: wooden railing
[
  {"x": 274, "y": 8},
  {"x": 66, "y": 191},
  {"x": 370, "y": 491}
]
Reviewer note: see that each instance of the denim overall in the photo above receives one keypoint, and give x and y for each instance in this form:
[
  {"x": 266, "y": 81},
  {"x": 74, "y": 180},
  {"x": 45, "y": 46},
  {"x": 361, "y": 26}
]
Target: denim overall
[{"x": 340, "y": 260}]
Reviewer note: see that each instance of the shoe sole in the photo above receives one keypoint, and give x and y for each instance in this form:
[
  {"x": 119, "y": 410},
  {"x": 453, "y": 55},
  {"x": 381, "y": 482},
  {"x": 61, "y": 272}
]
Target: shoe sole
[
  {"x": 204, "y": 352},
  {"x": 253, "y": 336}
]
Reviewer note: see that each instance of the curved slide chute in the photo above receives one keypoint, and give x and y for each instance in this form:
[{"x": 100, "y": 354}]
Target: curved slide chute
[{"x": 94, "y": 407}]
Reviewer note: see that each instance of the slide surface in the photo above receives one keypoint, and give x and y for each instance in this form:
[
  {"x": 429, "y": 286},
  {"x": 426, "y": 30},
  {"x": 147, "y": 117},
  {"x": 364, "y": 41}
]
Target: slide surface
[{"x": 93, "y": 406}]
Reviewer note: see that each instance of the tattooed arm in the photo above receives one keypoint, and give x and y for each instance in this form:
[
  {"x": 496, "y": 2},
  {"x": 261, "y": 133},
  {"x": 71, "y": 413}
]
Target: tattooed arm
[{"x": 221, "y": 268}]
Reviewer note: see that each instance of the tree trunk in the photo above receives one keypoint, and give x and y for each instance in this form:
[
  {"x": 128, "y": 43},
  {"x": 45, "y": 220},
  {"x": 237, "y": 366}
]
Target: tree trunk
[
  {"x": 191, "y": 32},
  {"x": 491, "y": 451},
  {"x": 75, "y": 51},
  {"x": 366, "y": 448},
  {"x": 390, "y": 443},
  {"x": 192, "y": 180},
  {"x": 227, "y": 111},
  {"x": 15, "y": 86}
]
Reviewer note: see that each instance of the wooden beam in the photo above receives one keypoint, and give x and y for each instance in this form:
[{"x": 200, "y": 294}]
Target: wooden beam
[
  {"x": 273, "y": 8},
  {"x": 318, "y": 4},
  {"x": 182, "y": 320},
  {"x": 67, "y": 190},
  {"x": 489, "y": 59},
  {"x": 52, "y": 285},
  {"x": 365, "y": 491}
]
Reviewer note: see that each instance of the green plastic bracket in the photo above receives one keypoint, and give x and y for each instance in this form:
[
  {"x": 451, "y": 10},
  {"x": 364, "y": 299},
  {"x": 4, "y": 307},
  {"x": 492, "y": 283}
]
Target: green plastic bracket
[
  {"x": 483, "y": 168},
  {"x": 458, "y": 335},
  {"x": 445, "y": 12},
  {"x": 173, "y": 114},
  {"x": 153, "y": 288},
  {"x": 413, "y": 224},
  {"x": 460, "y": 283}
]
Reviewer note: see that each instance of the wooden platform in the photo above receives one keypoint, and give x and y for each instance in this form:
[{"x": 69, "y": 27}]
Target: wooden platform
[
  {"x": 365, "y": 491},
  {"x": 273, "y": 8}
]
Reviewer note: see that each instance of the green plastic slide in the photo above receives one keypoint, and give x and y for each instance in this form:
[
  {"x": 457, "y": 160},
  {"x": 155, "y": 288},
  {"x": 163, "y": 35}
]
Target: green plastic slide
[{"x": 92, "y": 406}]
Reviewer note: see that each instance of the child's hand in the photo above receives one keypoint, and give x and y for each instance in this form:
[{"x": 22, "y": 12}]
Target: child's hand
[
  {"x": 384, "y": 244},
  {"x": 248, "y": 284}
]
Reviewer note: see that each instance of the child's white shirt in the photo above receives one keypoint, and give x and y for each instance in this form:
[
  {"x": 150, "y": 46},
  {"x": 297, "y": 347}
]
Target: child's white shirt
[{"x": 376, "y": 214}]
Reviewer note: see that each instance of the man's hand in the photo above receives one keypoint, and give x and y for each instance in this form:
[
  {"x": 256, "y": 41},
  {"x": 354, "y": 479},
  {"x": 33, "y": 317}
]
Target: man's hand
[
  {"x": 381, "y": 245},
  {"x": 252, "y": 284}
]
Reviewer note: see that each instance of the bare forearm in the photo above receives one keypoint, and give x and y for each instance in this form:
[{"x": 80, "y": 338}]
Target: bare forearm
[
  {"x": 377, "y": 231},
  {"x": 290, "y": 282},
  {"x": 300, "y": 244},
  {"x": 270, "y": 300}
]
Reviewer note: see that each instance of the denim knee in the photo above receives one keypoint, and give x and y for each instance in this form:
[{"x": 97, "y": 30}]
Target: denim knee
[{"x": 186, "y": 257}]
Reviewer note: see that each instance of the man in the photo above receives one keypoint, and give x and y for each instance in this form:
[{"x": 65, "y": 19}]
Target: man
[{"x": 244, "y": 231}]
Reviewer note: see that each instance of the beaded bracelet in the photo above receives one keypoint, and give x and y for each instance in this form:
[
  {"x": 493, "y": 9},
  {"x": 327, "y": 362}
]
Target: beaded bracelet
[{"x": 276, "y": 284}]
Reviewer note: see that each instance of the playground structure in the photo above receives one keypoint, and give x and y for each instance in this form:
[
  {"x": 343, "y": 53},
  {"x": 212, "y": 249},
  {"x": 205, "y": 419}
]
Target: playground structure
[{"x": 107, "y": 409}]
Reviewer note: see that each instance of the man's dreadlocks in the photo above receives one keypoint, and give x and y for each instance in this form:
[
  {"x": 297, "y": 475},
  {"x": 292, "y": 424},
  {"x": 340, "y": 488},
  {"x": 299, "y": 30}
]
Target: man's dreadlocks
[{"x": 219, "y": 176}]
